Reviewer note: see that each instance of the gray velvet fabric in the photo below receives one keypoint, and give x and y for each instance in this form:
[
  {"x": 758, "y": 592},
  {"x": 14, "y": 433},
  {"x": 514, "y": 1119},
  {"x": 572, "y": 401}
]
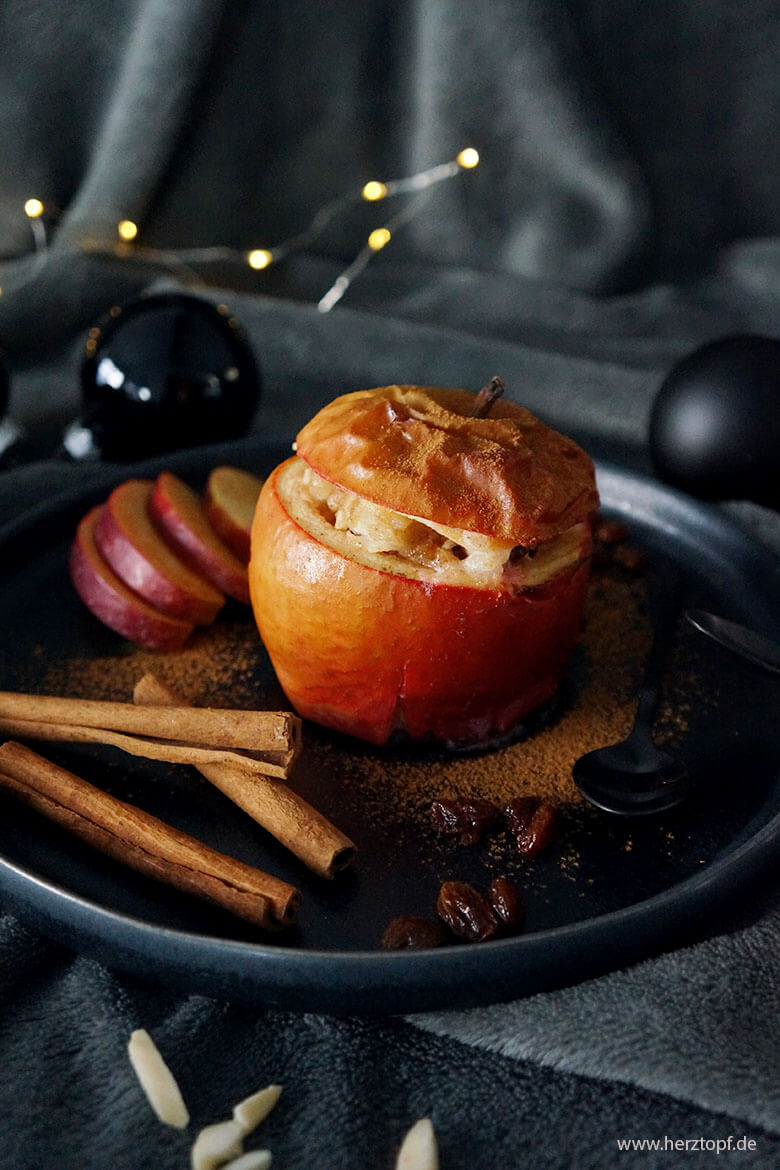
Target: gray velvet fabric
[
  {"x": 623, "y": 145},
  {"x": 692, "y": 1023},
  {"x": 627, "y": 208}
]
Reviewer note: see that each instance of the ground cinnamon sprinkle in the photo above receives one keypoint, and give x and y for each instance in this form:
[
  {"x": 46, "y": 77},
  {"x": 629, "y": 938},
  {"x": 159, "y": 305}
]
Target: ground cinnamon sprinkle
[
  {"x": 216, "y": 667},
  {"x": 613, "y": 647},
  {"x": 219, "y": 666}
]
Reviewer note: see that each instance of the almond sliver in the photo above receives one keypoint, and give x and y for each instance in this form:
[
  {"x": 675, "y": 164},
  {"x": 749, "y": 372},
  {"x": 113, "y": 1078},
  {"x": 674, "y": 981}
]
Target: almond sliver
[
  {"x": 251, "y": 1160},
  {"x": 217, "y": 1144},
  {"x": 419, "y": 1150},
  {"x": 252, "y": 1110},
  {"x": 157, "y": 1080}
]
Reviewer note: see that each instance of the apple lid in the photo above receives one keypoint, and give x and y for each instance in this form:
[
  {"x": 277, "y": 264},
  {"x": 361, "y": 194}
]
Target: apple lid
[{"x": 419, "y": 451}]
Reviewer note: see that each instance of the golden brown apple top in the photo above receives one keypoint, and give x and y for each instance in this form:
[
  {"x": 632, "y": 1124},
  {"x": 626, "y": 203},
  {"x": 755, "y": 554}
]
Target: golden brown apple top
[{"x": 417, "y": 450}]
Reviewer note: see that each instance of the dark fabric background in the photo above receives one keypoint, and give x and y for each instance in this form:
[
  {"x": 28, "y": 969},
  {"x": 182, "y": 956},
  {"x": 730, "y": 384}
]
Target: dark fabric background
[{"x": 626, "y": 208}]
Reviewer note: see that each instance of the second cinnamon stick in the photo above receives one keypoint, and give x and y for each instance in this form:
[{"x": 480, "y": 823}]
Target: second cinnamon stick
[
  {"x": 286, "y": 815},
  {"x": 271, "y": 731},
  {"x": 165, "y": 750},
  {"x": 145, "y": 843}
]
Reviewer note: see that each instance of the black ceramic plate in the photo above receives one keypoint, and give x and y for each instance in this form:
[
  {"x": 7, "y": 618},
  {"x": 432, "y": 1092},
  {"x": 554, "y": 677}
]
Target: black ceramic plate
[{"x": 606, "y": 894}]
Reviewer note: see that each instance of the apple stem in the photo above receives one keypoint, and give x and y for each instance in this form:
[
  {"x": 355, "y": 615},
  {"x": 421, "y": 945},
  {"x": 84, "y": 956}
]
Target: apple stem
[{"x": 486, "y": 397}]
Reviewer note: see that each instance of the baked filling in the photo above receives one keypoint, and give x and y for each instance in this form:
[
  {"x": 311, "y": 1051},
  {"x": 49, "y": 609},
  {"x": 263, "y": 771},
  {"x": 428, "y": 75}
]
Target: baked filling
[{"x": 407, "y": 545}]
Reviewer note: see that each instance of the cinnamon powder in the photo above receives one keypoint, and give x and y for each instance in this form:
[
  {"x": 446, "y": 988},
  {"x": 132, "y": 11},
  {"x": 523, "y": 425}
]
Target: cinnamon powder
[
  {"x": 219, "y": 666},
  {"x": 599, "y": 710},
  {"x": 216, "y": 667}
]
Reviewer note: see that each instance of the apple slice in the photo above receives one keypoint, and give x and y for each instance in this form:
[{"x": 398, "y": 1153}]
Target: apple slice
[
  {"x": 179, "y": 516},
  {"x": 229, "y": 502},
  {"x": 110, "y": 600},
  {"x": 136, "y": 552}
]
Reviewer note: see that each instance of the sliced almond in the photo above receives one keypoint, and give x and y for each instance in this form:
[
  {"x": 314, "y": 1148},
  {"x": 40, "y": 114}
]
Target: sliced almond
[
  {"x": 251, "y": 1160},
  {"x": 217, "y": 1144},
  {"x": 157, "y": 1080},
  {"x": 419, "y": 1150},
  {"x": 252, "y": 1110}
]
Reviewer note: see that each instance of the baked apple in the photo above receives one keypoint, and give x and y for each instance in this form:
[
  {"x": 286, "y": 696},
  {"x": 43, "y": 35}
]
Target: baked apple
[{"x": 420, "y": 566}]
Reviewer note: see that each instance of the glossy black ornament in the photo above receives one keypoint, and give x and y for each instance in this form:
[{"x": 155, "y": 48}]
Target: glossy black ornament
[
  {"x": 715, "y": 423},
  {"x": 164, "y": 371}
]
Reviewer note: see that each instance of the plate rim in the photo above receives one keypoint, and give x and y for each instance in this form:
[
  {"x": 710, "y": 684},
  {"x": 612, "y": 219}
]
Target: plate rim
[{"x": 662, "y": 918}]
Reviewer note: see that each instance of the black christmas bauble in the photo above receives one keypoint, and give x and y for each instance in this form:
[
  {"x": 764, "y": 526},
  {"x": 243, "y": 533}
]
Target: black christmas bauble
[
  {"x": 715, "y": 422},
  {"x": 165, "y": 371}
]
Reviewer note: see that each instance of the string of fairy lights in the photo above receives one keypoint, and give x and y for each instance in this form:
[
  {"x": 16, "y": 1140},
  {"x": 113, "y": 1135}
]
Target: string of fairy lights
[{"x": 186, "y": 262}]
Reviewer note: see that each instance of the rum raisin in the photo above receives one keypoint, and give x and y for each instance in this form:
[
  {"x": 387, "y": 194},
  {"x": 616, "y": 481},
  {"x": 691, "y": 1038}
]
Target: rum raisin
[
  {"x": 611, "y": 532},
  {"x": 519, "y": 812},
  {"x": 468, "y": 819},
  {"x": 411, "y": 932},
  {"x": 507, "y": 903},
  {"x": 466, "y": 912},
  {"x": 532, "y": 822},
  {"x": 630, "y": 558}
]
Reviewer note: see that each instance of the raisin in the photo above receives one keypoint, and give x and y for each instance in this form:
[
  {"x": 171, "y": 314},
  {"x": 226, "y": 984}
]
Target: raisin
[
  {"x": 611, "y": 532},
  {"x": 532, "y": 822},
  {"x": 519, "y": 811},
  {"x": 467, "y": 819},
  {"x": 507, "y": 903},
  {"x": 466, "y": 912},
  {"x": 630, "y": 558},
  {"x": 411, "y": 932}
]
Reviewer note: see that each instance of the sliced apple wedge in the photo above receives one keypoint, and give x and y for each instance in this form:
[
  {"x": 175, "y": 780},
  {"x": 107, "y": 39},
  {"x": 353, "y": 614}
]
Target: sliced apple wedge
[
  {"x": 179, "y": 516},
  {"x": 229, "y": 502},
  {"x": 128, "y": 540},
  {"x": 110, "y": 600}
]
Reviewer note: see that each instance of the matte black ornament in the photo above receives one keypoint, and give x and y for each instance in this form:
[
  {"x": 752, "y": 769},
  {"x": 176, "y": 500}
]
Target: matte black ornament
[
  {"x": 715, "y": 423},
  {"x": 164, "y": 371}
]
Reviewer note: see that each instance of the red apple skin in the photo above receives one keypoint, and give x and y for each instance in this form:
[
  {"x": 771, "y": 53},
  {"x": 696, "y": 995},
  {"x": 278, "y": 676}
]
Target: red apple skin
[
  {"x": 127, "y": 539},
  {"x": 178, "y": 515},
  {"x": 109, "y": 599},
  {"x": 365, "y": 652},
  {"x": 229, "y": 501}
]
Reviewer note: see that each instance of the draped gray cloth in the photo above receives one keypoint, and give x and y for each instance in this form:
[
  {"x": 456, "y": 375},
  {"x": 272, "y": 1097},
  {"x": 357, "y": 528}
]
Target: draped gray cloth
[{"x": 626, "y": 208}]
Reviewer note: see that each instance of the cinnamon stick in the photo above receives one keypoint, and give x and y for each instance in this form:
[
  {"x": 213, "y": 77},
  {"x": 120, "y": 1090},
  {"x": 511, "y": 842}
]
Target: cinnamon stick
[
  {"x": 144, "y": 843},
  {"x": 286, "y": 815},
  {"x": 266, "y": 741}
]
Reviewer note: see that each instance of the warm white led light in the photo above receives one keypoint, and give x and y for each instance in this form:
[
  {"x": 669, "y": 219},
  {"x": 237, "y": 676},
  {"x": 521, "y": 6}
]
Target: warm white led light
[
  {"x": 374, "y": 191},
  {"x": 259, "y": 258},
  {"x": 185, "y": 260},
  {"x": 378, "y": 238},
  {"x": 468, "y": 158}
]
